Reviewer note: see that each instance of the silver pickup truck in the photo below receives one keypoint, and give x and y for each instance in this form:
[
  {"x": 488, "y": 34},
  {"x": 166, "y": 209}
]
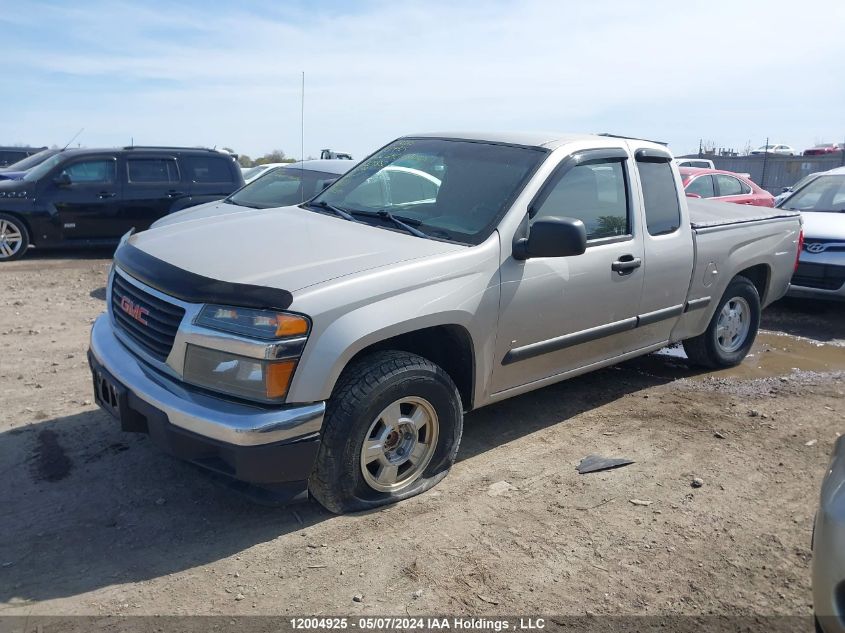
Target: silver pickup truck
[{"x": 334, "y": 347}]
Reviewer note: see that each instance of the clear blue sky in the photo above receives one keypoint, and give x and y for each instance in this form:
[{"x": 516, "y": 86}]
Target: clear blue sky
[{"x": 228, "y": 74}]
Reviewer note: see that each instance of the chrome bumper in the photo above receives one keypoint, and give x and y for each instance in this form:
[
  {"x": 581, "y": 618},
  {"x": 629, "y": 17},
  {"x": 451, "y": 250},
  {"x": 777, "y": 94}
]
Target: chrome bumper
[{"x": 214, "y": 418}]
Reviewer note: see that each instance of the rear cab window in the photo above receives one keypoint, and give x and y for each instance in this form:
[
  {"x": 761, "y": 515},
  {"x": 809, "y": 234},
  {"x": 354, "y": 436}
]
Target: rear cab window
[{"x": 660, "y": 192}]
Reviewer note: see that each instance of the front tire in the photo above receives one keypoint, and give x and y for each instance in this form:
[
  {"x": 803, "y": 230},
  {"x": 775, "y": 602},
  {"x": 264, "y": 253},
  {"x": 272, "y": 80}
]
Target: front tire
[
  {"x": 14, "y": 238},
  {"x": 732, "y": 329},
  {"x": 392, "y": 430}
]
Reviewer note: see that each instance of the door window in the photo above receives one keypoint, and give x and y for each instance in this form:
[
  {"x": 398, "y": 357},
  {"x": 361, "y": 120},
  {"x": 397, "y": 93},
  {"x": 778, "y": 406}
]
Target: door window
[
  {"x": 206, "y": 169},
  {"x": 660, "y": 195},
  {"x": 91, "y": 171},
  {"x": 595, "y": 193},
  {"x": 152, "y": 170},
  {"x": 703, "y": 186},
  {"x": 729, "y": 186}
]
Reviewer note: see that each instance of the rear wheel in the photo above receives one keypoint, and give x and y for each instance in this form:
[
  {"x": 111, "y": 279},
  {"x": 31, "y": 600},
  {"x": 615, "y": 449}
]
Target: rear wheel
[
  {"x": 732, "y": 329},
  {"x": 14, "y": 238},
  {"x": 392, "y": 429}
]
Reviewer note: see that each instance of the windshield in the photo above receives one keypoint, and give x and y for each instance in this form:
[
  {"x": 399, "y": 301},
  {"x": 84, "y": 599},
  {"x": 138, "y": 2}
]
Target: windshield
[
  {"x": 281, "y": 187},
  {"x": 31, "y": 161},
  {"x": 39, "y": 170},
  {"x": 456, "y": 190},
  {"x": 825, "y": 194}
]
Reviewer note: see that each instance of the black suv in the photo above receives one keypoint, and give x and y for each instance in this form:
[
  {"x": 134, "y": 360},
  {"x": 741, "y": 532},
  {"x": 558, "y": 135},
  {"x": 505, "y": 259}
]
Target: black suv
[
  {"x": 90, "y": 197},
  {"x": 9, "y": 155}
]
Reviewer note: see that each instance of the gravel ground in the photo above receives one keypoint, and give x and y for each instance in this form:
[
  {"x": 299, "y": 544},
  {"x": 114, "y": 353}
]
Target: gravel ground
[{"x": 100, "y": 522}]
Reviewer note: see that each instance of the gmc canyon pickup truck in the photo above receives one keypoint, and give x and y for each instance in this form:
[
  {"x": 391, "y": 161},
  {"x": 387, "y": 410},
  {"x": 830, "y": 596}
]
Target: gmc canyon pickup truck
[{"x": 333, "y": 347}]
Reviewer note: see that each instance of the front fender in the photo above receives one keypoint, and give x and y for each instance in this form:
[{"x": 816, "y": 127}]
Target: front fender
[{"x": 458, "y": 289}]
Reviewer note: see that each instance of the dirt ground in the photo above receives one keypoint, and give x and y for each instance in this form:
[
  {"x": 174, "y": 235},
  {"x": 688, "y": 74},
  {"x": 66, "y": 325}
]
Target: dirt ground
[{"x": 95, "y": 521}]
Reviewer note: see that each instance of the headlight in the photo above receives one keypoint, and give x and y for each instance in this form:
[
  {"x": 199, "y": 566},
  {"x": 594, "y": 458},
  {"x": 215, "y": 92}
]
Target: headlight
[
  {"x": 263, "y": 324},
  {"x": 252, "y": 378},
  {"x": 264, "y": 378}
]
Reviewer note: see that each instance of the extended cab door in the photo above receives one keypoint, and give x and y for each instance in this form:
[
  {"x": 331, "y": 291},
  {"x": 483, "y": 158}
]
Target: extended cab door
[
  {"x": 560, "y": 314},
  {"x": 153, "y": 183},
  {"x": 85, "y": 194},
  {"x": 667, "y": 241}
]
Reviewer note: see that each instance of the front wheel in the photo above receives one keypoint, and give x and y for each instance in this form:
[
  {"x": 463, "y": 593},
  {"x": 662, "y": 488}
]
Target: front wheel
[
  {"x": 392, "y": 430},
  {"x": 732, "y": 329},
  {"x": 14, "y": 238}
]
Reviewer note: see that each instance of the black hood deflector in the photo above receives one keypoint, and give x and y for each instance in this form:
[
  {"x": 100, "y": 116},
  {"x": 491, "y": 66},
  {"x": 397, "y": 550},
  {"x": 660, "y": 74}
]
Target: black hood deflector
[{"x": 187, "y": 286}]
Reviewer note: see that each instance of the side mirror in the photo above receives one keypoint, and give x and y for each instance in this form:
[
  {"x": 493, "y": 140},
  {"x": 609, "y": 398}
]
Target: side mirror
[
  {"x": 693, "y": 195},
  {"x": 552, "y": 237},
  {"x": 326, "y": 184},
  {"x": 62, "y": 180}
]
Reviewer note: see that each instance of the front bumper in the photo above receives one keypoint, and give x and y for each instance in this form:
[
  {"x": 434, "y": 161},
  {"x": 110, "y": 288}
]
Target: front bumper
[{"x": 271, "y": 447}]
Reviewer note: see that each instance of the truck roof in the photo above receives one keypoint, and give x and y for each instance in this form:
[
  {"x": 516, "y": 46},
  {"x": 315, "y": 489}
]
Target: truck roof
[{"x": 547, "y": 140}]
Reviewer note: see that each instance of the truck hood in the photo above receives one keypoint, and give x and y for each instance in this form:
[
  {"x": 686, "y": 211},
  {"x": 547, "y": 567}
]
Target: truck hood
[
  {"x": 201, "y": 211},
  {"x": 288, "y": 248},
  {"x": 830, "y": 226}
]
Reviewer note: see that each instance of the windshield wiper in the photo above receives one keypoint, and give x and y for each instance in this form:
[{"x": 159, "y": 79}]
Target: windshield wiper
[
  {"x": 239, "y": 204},
  {"x": 401, "y": 222},
  {"x": 330, "y": 207}
]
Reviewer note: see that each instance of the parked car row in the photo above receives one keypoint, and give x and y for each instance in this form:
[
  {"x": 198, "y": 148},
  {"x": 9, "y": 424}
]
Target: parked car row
[{"x": 819, "y": 149}]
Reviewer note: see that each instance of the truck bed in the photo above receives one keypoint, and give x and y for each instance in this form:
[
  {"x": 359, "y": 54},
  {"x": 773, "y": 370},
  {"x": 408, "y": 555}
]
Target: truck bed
[{"x": 705, "y": 214}]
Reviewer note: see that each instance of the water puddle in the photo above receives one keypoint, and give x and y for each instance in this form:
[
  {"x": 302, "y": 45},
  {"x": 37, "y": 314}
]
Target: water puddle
[{"x": 772, "y": 355}]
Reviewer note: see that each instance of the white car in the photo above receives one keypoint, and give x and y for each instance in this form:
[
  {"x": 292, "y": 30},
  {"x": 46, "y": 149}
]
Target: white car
[
  {"x": 251, "y": 173},
  {"x": 821, "y": 267},
  {"x": 783, "y": 150},
  {"x": 701, "y": 163}
]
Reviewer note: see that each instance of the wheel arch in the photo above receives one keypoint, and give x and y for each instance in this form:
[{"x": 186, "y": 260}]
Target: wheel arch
[
  {"x": 759, "y": 275},
  {"x": 449, "y": 346}
]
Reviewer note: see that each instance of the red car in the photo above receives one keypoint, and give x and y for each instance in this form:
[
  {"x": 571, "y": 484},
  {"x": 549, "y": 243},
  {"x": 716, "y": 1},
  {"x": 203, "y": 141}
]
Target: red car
[
  {"x": 822, "y": 149},
  {"x": 724, "y": 186}
]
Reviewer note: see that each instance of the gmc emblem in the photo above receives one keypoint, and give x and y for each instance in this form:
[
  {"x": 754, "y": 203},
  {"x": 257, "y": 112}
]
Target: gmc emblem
[{"x": 135, "y": 311}]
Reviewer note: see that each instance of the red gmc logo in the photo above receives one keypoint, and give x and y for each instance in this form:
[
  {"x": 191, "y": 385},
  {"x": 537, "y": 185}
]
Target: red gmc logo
[{"x": 135, "y": 311}]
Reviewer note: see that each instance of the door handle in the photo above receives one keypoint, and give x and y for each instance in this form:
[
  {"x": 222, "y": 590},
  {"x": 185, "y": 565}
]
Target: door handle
[
  {"x": 626, "y": 264},
  {"x": 106, "y": 194},
  {"x": 174, "y": 194}
]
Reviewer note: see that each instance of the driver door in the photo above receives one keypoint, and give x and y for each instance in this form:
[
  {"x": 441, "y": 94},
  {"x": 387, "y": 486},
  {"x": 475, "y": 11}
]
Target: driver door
[
  {"x": 559, "y": 314},
  {"x": 87, "y": 203}
]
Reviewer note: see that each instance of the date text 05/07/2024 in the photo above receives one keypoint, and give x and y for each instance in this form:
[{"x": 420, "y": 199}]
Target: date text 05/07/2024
[{"x": 419, "y": 623}]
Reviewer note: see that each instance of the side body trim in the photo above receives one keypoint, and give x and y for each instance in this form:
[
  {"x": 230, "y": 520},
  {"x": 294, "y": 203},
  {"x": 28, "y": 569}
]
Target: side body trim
[{"x": 585, "y": 336}]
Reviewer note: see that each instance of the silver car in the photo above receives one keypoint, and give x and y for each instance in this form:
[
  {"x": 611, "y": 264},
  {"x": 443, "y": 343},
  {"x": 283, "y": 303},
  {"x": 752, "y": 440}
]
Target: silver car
[
  {"x": 821, "y": 269},
  {"x": 829, "y": 548}
]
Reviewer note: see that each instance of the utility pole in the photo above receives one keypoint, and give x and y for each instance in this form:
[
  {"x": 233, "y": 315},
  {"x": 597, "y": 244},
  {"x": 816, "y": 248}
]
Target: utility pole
[{"x": 765, "y": 160}]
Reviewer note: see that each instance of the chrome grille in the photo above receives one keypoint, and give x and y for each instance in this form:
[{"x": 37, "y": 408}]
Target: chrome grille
[{"x": 154, "y": 326}]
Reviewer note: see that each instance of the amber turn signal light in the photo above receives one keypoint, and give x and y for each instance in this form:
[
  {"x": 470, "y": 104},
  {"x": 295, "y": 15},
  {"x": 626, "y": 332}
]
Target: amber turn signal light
[
  {"x": 277, "y": 378},
  {"x": 290, "y": 325}
]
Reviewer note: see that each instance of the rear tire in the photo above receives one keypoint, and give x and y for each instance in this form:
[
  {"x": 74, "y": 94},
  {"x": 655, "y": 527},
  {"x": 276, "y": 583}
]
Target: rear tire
[
  {"x": 731, "y": 331},
  {"x": 14, "y": 238},
  {"x": 392, "y": 430}
]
